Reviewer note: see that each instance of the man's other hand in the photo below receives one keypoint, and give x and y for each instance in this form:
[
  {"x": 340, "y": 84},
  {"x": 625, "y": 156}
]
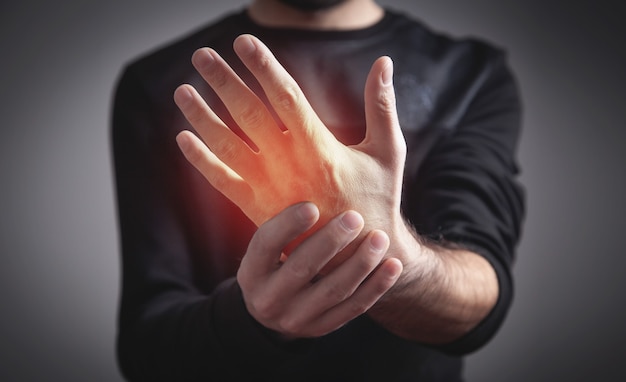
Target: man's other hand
[{"x": 290, "y": 297}]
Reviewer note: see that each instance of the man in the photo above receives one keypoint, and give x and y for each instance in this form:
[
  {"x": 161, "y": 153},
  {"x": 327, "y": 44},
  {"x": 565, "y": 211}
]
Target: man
[{"x": 339, "y": 236}]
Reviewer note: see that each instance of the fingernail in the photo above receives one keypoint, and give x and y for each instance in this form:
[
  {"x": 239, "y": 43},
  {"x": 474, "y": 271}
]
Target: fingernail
[
  {"x": 379, "y": 241},
  {"x": 308, "y": 212},
  {"x": 351, "y": 220},
  {"x": 182, "y": 96},
  {"x": 202, "y": 58},
  {"x": 387, "y": 74},
  {"x": 244, "y": 45},
  {"x": 183, "y": 141}
]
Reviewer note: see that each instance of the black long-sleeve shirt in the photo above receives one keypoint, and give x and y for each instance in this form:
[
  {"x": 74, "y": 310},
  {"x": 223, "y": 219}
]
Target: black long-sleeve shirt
[{"x": 182, "y": 316}]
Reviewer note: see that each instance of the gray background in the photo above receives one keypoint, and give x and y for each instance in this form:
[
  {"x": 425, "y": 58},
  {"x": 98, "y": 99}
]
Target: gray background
[{"x": 59, "y": 272}]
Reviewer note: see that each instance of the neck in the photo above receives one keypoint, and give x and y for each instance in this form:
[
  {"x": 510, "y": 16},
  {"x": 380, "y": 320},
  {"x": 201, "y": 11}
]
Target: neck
[{"x": 350, "y": 14}]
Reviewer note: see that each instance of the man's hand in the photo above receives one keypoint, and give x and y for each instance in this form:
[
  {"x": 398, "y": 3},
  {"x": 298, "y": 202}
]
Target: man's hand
[
  {"x": 303, "y": 163},
  {"x": 288, "y": 297},
  {"x": 441, "y": 295}
]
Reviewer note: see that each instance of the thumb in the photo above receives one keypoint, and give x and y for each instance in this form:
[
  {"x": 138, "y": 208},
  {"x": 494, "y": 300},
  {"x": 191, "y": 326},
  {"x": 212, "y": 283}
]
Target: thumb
[{"x": 383, "y": 138}]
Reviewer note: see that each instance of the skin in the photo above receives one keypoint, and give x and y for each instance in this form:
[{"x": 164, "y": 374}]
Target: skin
[
  {"x": 350, "y": 250},
  {"x": 311, "y": 163}
]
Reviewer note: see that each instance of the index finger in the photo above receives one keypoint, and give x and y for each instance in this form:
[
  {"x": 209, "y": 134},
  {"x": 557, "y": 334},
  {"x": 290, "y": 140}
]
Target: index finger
[{"x": 267, "y": 244}]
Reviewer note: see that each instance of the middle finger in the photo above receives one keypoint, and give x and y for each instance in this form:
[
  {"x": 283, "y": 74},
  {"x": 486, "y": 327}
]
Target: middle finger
[{"x": 246, "y": 108}]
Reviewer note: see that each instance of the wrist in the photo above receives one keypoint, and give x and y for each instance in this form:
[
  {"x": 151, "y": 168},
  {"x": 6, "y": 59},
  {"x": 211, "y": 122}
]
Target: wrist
[{"x": 405, "y": 244}]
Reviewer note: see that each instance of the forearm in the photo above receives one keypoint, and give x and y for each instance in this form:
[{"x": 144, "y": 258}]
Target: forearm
[{"x": 442, "y": 294}]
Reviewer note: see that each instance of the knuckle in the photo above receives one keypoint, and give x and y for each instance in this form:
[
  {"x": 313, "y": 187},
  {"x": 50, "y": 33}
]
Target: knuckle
[
  {"x": 336, "y": 293},
  {"x": 264, "y": 308},
  {"x": 386, "y": 103},
  {"x": 226, "y": 150},
  {"x": 252, "y": 116},
  {"x": 301, "y": 271},
  {"x": 357, "y": 307},
  {"x": 218, "y": 180},
  {"x": 217, "y": 78},
  {"x": 287, "y": 98},
  {"x": 263, "y": 61},
  {"x": 290, "y": 325}
]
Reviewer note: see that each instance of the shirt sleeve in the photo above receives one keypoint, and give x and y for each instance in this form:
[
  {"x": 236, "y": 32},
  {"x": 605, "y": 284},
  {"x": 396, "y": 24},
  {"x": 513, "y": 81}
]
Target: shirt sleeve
[
  {"x": 466, "y": 193},
  {"x": 168, "y": 330}
]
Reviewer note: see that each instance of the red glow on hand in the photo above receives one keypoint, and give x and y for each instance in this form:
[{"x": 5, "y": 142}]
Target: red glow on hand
[{"x": 305, "y": 162}]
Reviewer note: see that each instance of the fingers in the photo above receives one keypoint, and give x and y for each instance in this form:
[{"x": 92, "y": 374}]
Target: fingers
[
  {"x": 272, "y": 290},
  {"x": 381, "y": 116},
  {"x": 222, "y": 177},
  {"x": 349, "y": 291},
  {"x": 281, "y": 89},
  {"x": 264, "y": 250},
  {"x": 306, "y": 261},
  {"x": 290, "y": 298},
  {"x": 246, "y": 108},
  {"x": 367, "y": 294},
  {"x": 222, "y": 141}
]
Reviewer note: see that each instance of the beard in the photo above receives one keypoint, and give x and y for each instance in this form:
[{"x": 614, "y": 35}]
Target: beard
[{"x": 311, "y": 5}]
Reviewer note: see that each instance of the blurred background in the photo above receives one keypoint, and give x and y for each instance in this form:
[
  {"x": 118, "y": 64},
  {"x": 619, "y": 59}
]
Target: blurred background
[{"x": 59, "y": 268}]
